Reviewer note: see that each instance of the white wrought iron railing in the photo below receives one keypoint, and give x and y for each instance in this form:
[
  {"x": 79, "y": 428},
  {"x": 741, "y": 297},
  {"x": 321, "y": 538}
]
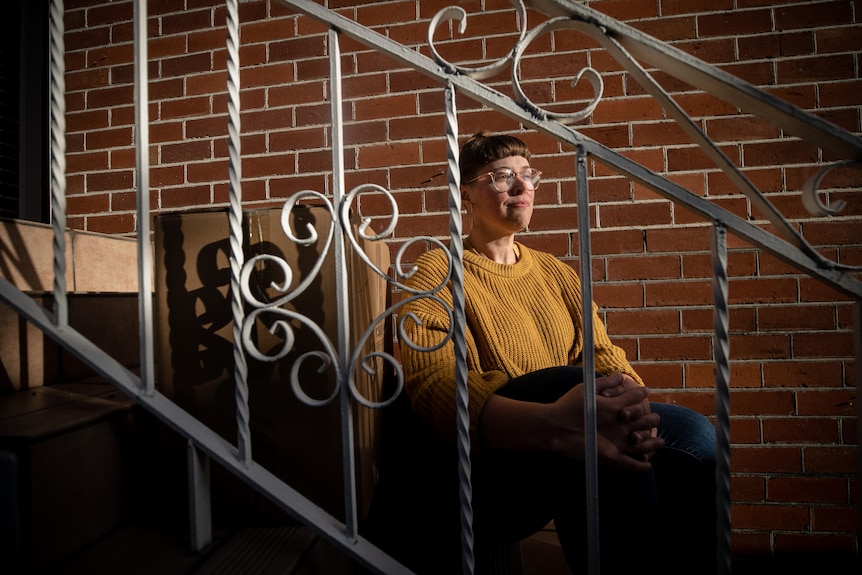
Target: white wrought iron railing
[{"x": 629, "y": 47}]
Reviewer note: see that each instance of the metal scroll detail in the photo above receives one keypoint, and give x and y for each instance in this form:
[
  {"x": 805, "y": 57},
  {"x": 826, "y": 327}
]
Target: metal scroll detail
[
  {"x": 515, "y": 56},
  {"x": 269, "y": 302}
]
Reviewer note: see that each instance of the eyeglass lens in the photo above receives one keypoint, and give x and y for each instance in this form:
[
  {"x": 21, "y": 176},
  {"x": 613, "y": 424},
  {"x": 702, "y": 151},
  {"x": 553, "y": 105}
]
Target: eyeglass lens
[{"x": 504, "y": 178}]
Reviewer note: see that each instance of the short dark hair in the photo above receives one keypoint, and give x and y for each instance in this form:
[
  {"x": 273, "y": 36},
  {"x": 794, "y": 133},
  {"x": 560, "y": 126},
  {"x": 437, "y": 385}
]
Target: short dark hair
[{"x": 483, "y": 148}]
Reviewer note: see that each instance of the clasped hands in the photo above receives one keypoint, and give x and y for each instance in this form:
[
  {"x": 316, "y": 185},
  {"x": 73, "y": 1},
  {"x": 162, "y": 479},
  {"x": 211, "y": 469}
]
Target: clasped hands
[{"x": 626, "y": 428}]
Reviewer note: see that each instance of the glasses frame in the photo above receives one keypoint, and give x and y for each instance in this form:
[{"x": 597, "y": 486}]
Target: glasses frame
[{"x": 529, "y": 182}]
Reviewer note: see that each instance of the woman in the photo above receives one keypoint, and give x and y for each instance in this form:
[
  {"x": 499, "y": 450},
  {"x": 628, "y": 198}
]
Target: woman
[{"x": 524, "y": 345}]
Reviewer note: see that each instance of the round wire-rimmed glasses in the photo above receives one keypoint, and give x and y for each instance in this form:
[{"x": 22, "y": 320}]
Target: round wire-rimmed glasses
[{"x": 504, "y": 178}]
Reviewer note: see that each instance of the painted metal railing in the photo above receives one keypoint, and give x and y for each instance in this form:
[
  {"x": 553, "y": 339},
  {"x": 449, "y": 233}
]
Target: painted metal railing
[{"x": 629, "y": 47}]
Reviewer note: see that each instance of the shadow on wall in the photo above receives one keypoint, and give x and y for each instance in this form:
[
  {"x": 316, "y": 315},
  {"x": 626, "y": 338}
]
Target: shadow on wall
[{"x": 300, "y": 444}]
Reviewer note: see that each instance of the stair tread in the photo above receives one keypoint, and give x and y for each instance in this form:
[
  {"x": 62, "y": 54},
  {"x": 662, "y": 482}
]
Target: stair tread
[{"x": 43, "y": 411}]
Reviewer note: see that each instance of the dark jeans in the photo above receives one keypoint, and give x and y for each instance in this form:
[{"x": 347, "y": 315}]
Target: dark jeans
[{"x": 661, "y": 518}]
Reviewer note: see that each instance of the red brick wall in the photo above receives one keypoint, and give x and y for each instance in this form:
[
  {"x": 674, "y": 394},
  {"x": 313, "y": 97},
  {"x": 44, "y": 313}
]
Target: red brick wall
[{"x": 791, "y": 344}]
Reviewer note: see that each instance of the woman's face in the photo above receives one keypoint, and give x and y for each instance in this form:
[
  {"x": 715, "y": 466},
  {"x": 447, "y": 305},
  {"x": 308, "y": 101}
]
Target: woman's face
[{"x": 496, "y": 213}]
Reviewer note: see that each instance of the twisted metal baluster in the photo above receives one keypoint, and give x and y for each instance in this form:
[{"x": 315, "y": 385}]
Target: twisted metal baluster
[
  {"x": 591, "y": 439},
  {"x": 722, "y": 397},
  {"x": 456, "y": 250},
  {"x": 235, "y": 220},
  {"x": 57, "y": 54}
]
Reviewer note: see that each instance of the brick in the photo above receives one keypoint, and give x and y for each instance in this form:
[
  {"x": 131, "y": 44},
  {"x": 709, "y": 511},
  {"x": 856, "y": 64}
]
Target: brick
[
  {"x": 186, "y": 152},
  {"x": 78, "y": 163},
  {"x": 187, "y": 107},
  {"x": 271, "y": 165},
  {"x": 643, "y": 267},
  {"x": 739, "y": 264},
  {"x": 830, "y": 459},
  {"x": 184, "y": 65},
  {"x": 296, "y": 93},
  {"x": 814, "y": 69},
  {"x": 754, "y": 459},
  {"x": 87, "y": 38},
  {"x": 796, "y": 543},
  {"x": 797, "y": 317},
  {"x": 761, "y": 402},
  {"x": 769, "y": 517},
  {"x": 745, "y": 430},
  {"x": 701, "y": 402},
  {"x": 669, "y": 29},
  {"x": 747, "y": 488},
  {"x": 678, "y": 293},
  {"x": 762, "y": 290},
  {"x": 296, "y": 49},
  {"x": 601, "y": 190},
  {"x": 821, "y": 345},
  {"x": 431, "y": 225},
  {"x": 804, "y": 16},
  {"x": 616, "y": 242},
  {"x": 252, "y": 144},
  {"x": 636, "y": 215},
  {"x": 185, "y": 196},
  {"x": 742, "y": 375},
  {"x": 86, "y": 79},
  {"x": 741, "y": 22},
  {"x": 624, "y": 110},
  {"x": 387, "y": 154},
  {"x": 632, "y": 10},
  {"x": 167, "y": 176},
  {"x": 108, "y": 97},
  {"x": 678, "y": 240},
  {"x": 252, "y": 191},
  {"x": 800, "y": 430},
  {"x": 675, "y": 348},
  {"x": 837, "y": 39},
  {"x": 117, "y": 224},
  {"x": 811, "y": 290},
  {"x": 826, "y": 402},
  {"x": 88, "y": 204},
  {"x": 618, "y": 295},
  {"x": 361, "y": 132},
  {"x": 756, "y": 544},
  {"x": 807, "y": 489},
  {"x": 161, "y": 90},
  {"x": 553, "y": 218},
  {"x": 207, "y": 172},
  {"x": 296, "y": 139},
  {"x": 109, "y": 181},
  {"x": 636, "y": 322},
  {"x": 320, "y": 160},
  {"x": 668, "y": 376},
  {"x": 805, "y": 374},
  {"x": 832, "y": 519}
]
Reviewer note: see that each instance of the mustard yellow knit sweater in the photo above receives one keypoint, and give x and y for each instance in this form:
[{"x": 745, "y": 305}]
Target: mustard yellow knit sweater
[{"x": 520, "y": 318}]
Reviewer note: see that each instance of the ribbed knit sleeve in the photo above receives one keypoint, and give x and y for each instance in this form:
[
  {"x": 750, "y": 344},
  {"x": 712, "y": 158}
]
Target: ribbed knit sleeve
[
  {"x": 430, "y": 369},
  {"x": 520, "y": 318}
]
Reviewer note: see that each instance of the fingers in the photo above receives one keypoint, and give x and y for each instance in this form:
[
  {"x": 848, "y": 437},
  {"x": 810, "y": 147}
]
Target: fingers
[
  {"x": 609, "y": 386},
  {"x": 614, "y": 385}
]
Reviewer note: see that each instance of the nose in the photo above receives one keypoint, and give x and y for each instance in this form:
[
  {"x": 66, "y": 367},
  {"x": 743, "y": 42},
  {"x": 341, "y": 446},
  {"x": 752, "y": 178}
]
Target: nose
[{"x": 519, "y": 185}]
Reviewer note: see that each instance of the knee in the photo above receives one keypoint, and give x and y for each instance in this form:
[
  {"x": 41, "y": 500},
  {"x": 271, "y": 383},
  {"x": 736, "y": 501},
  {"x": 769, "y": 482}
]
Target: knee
[{"x": 687, "y": 431}]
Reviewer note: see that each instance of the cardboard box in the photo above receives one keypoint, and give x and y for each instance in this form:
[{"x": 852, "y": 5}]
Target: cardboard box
[{"x": 194, "y": 338}]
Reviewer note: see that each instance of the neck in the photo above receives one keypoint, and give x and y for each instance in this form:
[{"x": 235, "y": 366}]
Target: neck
[{"x": 500, "y": 250}]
